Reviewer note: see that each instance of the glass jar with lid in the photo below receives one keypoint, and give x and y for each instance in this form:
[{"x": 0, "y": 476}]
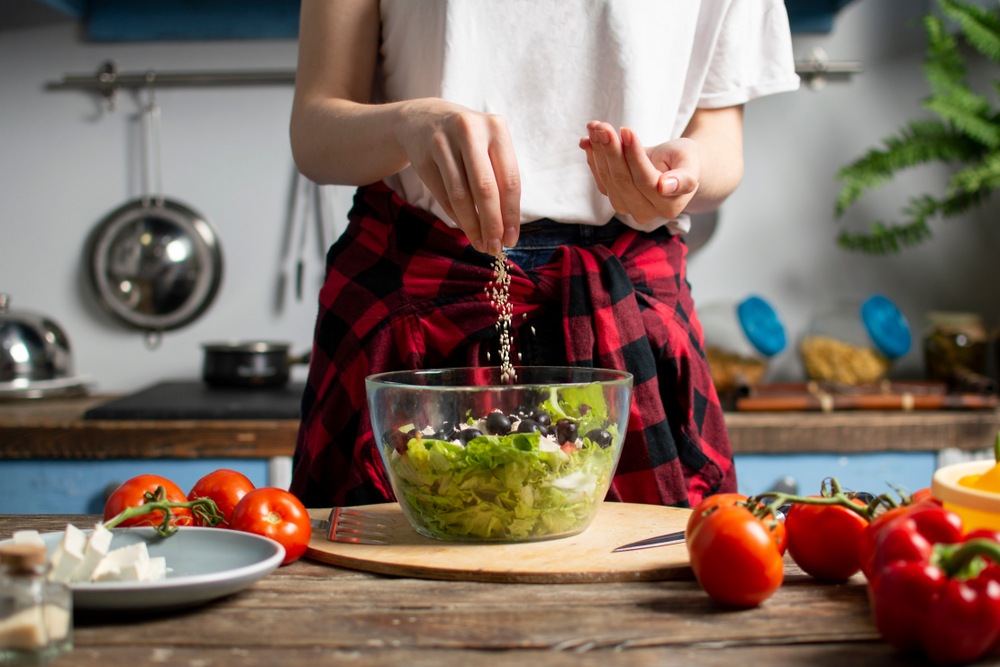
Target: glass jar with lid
[
  {"x": 740, "y": 339},
  {"x": 855, "y": 343},
  {"x": 955, "y": 347},
  {"x": 36, "y": 615}
]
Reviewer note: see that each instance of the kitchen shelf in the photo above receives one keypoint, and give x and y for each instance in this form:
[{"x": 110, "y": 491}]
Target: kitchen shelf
[{"x": 55, "y": 429}]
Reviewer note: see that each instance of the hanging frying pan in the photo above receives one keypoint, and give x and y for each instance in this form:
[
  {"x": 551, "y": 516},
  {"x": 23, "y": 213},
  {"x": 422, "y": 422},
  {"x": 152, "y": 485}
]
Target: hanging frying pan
[{"x": 155, "y": 263}]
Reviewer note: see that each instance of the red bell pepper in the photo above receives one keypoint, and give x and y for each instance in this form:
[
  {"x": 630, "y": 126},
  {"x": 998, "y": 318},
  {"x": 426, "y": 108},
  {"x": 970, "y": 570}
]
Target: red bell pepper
[{"x": 931, "y": 589}]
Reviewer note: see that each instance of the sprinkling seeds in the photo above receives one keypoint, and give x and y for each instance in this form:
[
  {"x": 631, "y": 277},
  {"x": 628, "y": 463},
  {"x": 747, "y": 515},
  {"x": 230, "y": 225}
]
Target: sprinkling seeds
[{"x": 501, "y": 301}]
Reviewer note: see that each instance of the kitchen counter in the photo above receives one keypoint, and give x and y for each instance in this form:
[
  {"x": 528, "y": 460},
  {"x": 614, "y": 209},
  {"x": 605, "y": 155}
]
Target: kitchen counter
[
  {"x": 308, "y": 613},
  {"x": 55, "y": 429}
]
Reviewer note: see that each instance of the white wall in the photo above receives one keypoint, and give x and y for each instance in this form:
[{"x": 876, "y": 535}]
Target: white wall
[
  {"x": 777, "y": 234},
  {"x": 65, "y": 162}
]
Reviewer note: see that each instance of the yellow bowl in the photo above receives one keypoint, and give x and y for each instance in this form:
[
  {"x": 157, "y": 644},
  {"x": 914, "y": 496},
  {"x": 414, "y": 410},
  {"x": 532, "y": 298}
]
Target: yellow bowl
[{"x": 978, "y": 509}]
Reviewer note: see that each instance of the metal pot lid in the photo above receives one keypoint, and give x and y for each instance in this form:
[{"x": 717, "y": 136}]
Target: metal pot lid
[
  {"x": 246, "y": 346},
  {"x": 32, "y": 346},
  {"x": 156, "y": 264}
]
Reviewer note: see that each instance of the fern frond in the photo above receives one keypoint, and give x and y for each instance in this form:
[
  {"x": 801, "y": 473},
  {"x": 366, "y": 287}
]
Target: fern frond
[
  {"x": 980, "y": 26},
  {"x": 944, "y": 67},
  {"x": 969, "y": 113},
  {"x": 978, "y": 177},
  {"x": 882, "y": 240},
  {"x": 921, "y": 141}
]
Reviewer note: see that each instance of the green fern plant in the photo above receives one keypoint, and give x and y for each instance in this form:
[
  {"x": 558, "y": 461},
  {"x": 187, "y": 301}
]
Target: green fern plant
[{"x": 968, "y": 133}]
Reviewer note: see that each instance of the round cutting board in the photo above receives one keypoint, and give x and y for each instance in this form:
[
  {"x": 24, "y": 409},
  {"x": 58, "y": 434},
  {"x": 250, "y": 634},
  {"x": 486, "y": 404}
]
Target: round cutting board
[{"x": 582, "y": 558}]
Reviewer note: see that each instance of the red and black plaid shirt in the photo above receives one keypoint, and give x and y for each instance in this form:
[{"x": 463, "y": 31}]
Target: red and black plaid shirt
[{"x": 405, "y": 291}]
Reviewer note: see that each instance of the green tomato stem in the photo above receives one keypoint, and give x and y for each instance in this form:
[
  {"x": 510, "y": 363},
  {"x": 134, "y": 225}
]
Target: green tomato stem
[
  {"x": 834, "y": 496},
  {"x": 203, "y": 508}
]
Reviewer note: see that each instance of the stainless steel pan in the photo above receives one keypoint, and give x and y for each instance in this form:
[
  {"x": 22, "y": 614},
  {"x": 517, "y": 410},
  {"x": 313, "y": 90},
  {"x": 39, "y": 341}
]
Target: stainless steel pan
[{"x": 155, "y": 263}]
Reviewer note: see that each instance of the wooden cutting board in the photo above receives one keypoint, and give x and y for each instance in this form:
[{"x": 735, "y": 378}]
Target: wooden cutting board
[{"x": 583, "y": 558}]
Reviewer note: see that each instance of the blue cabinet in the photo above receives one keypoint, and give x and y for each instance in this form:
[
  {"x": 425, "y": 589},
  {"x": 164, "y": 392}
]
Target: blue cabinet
[
  {"x": 77, "y": 486},
  {"x": 871, "y": 472},
  {"x": 152, "y": 20}
]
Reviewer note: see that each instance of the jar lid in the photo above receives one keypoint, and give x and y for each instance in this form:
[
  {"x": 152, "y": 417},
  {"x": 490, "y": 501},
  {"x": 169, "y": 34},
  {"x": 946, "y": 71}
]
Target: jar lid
[
  {"x": 22, "y": 557},
  {"x": 761, "y": 325},
  {"x": 886, "y": 325}
]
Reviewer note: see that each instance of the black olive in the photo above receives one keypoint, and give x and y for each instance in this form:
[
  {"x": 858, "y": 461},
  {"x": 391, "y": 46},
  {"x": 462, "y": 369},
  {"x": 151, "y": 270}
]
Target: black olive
[
  {"x": 469, "y": 434},
  {"x": 542, "y": 417},
  {"x": 446, "y": 433},
  {"x": 497, "y": 423},
  {"x": 528, "y": 426},
  {"x": 565, "y": 431},
  {"x": 584, "y": 409},
  {"x": 397, "y": 439},
  {"x": 600, "y": 437}
]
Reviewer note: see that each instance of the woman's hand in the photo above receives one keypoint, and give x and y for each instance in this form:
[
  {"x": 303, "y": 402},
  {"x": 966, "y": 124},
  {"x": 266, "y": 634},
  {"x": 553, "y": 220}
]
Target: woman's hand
[
  {"x": 694, "y": 173},
  {"x": 466, "y": 159},
  {"x": 645, "y": 183}
]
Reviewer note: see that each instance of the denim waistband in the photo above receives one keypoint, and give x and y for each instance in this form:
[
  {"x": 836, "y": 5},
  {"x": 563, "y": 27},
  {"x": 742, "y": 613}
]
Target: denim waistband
[{"x": 546, "y": 233}]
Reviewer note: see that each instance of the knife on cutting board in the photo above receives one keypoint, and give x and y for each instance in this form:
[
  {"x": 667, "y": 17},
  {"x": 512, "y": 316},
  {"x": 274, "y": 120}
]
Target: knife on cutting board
[
  {"x": 659, "y": 541},
  {"x": 674, "y": 538}
]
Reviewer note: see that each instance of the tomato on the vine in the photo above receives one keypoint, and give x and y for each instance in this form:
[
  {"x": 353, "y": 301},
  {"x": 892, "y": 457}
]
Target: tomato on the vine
[
  {"x": 226, "y": 488},
  {"x": 276, "y": 514},
  {"x": 132, "y": 494},
  {"x": 707, "y": 503},
  {"x": 824, "y": 539},
  {"x": 735, "y": 557}
]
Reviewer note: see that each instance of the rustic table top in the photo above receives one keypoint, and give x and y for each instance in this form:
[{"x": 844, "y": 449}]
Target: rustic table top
[
  {"x": 55, "y": 429},
  {"x": 308, "y": 614}
]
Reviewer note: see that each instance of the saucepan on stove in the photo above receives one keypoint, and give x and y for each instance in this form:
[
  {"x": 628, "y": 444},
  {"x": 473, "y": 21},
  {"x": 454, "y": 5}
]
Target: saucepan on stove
[{"x": 249, "y": 363}]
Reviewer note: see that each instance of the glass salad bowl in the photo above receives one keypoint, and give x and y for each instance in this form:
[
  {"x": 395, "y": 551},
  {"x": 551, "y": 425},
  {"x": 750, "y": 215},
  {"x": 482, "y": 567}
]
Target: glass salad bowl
[{"x": 473, "y": 459}]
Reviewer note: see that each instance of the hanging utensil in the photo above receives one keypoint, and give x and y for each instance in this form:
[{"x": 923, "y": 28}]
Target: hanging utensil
[{"x": 155, "y": 263}]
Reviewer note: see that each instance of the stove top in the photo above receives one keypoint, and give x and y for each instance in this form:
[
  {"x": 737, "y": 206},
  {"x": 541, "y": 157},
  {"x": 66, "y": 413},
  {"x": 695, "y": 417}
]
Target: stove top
[{"x": 196, "y": 400}]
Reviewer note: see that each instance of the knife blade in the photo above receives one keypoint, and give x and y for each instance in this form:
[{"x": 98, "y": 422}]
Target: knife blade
[
  {"x": 649, "y": 543},
  {"x": 678, "y": 537}
]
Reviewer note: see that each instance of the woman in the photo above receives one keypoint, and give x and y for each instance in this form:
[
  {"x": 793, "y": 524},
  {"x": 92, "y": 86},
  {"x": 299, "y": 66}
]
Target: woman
[{"x": 462, "y": 120}]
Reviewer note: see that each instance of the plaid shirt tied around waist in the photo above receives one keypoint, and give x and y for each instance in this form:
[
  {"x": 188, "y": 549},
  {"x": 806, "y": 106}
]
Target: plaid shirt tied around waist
[{"x": 405, "y": 291}]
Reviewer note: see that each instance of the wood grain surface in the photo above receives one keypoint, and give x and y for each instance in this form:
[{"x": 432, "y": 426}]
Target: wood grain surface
[
  {"x": 583, "y": 558},
  {"x": 309, "y": 613}
]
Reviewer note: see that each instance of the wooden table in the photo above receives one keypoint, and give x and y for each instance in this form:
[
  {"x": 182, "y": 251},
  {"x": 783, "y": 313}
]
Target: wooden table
[{"x": 309, "y": 614}]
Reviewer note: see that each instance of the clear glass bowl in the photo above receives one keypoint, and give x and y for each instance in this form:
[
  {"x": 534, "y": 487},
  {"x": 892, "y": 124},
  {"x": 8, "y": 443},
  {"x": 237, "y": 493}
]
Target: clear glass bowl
[{"x": 543, "y": 479}]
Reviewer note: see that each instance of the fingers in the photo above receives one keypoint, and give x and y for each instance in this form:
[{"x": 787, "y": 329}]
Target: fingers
[
  {"x": 626, "y": 189},
  {"x": 645, "y": 185},
  {"x": 508, "y": 180},
  {"x": 466, "y": 159}
]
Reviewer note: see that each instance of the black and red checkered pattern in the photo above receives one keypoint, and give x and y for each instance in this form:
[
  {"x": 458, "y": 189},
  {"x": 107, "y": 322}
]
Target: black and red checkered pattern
[{"x": 405, "y": 291}]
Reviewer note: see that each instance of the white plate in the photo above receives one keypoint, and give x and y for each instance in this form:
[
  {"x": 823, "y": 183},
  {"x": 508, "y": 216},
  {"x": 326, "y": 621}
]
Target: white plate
[{"x": 206, "y": 563}]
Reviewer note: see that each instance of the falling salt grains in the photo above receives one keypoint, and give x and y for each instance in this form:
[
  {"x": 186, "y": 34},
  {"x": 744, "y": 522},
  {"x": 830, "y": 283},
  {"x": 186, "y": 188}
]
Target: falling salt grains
[{"x": 500, "y": 298}]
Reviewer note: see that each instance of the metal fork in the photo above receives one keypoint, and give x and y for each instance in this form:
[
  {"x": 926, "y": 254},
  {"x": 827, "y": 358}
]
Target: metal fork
[{"x": 347, "y": 524}]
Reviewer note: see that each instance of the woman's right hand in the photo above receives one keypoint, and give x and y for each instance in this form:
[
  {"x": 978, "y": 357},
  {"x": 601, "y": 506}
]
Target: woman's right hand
[{"x": 466, "y": 160}]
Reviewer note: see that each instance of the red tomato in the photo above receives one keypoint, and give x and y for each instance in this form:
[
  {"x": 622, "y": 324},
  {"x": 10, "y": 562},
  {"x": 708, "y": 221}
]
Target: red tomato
[
  {"x": 226, "y": 488},
  {"x": 824, "y": 540},
  {"x": 707, "y": 503},
  {"x": 276, "y": 514},
  {"x": 735, "y": 558},
  {"x": 130, "y": 494}
]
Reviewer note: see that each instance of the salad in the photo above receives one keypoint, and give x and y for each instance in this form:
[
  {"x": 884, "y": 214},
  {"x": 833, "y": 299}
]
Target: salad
[{"x": 537, "y": 472}]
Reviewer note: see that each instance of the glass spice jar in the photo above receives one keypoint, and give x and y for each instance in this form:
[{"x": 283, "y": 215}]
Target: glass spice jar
[
  {"x": 740, "y": 339},
  {"x": 955, "y": 347},
  {"x": 36, "y": 615},
  {"x": 855, "y": 343}
]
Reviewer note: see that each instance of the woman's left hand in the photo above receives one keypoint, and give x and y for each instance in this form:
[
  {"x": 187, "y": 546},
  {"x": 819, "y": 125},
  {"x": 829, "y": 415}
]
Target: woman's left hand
[{"x": 645, "y": 183}]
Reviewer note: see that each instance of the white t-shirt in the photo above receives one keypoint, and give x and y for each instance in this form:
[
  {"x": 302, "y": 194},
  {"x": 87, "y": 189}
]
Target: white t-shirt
[{"x": 551, "y": 66}]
